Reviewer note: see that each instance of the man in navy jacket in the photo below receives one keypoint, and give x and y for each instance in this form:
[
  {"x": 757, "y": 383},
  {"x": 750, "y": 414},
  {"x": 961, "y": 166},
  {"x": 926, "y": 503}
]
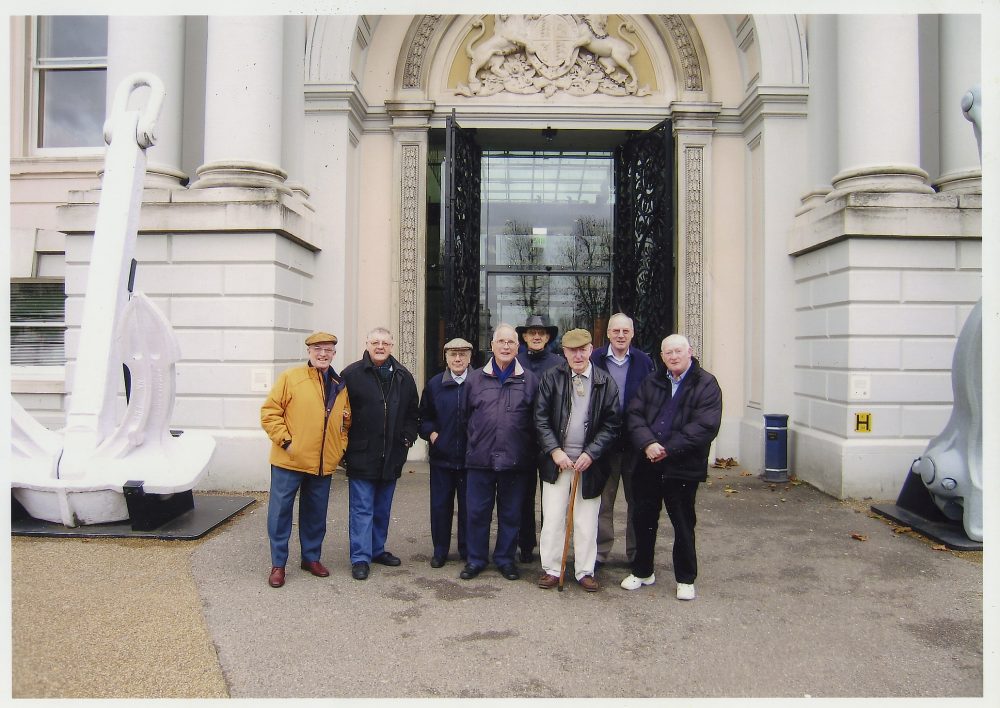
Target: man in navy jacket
[
  {"x": 442, "y": 425},
  {"x": 500, "y": 452},
  {"x": 628, "y": 367}
]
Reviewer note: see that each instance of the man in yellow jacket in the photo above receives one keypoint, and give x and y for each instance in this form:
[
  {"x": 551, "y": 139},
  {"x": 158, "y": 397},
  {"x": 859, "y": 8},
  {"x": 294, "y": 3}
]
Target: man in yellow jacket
[{"x": 307, "y": 416}]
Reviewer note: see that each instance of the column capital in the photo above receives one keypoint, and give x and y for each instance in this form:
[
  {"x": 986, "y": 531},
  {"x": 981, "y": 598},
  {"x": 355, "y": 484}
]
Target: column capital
[{"x": 410, "y": 114}]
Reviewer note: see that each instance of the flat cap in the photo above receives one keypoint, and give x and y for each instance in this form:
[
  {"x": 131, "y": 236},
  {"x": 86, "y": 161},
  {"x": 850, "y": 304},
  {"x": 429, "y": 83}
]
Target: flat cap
[
  {"x": 320, "y": 337},
  {"x": 457, "y": 343},
  {"x": 577, "y": 338}
]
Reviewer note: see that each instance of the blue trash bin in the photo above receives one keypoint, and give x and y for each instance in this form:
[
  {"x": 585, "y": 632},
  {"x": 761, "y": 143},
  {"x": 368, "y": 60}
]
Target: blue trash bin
[{"x": 775, "y": 447}]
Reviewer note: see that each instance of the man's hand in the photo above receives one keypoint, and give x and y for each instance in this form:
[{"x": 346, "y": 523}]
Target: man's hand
[
  {"x": 655, "y": 452},
  {"x": 561, "y": 459},
  {"x": 433, "y": 437},
  {"x": 583, "y": 462}
]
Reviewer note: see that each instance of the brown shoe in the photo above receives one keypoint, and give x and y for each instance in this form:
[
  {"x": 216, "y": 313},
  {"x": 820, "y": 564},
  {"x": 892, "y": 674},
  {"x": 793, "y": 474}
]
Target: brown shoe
[
  {"x": 589, "y": 583},
  {"x": 316, "y": 568},
  {"x": 277, "y": 577},
  {"x": 547, "y": 582}
]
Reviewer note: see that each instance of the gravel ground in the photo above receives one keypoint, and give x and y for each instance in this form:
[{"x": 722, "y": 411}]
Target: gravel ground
[{"x": 109, "y": 618}]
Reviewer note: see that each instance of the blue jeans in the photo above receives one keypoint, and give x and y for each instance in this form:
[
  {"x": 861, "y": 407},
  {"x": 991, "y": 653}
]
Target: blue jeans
[
  {"x": 370, "y": 503},
  {"x": 314, "y": 498},
  {"x": 507, "y": 489},
  {"x": 446, "y": 484}
]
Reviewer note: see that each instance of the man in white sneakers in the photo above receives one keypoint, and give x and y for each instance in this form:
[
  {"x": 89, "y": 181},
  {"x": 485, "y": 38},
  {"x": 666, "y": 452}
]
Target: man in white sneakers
[{"x": 671, "y": 421}]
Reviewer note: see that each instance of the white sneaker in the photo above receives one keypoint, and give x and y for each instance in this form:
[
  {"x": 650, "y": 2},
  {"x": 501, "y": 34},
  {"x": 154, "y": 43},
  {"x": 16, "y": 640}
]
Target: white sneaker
[
  {"x": 685, "y": 591},
  {"x": 634, "y": 583}
]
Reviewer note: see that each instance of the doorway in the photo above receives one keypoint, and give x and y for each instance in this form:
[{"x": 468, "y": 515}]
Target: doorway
[{"x": 574, "y": 225}]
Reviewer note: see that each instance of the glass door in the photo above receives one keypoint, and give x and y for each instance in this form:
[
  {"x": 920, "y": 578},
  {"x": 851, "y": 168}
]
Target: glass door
[{"x": 546, "y": 234}]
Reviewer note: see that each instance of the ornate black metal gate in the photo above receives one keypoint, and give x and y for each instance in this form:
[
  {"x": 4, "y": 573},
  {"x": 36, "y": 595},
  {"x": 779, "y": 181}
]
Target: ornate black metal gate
[
  {"x": 644, "y": 255},
  {"x": 461, "y": 236}
]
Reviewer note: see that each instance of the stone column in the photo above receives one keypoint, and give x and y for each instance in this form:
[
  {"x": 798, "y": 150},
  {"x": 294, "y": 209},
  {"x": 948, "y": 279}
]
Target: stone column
[
  {"x": 243, "y": 97},
  {"x": 878, "y": 101},
  {"x": 293, "y": 104},
  {"x": 821, "y": 123},
  {"x": 959, "y": 42},
  {"x": 156, "y": 45}
]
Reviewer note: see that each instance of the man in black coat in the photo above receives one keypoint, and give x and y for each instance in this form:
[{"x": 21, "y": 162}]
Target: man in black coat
[
  {"x": 671, "y": 422},
  {"x": 383, "y": 400},
  {"x": 576, "y": 419}
]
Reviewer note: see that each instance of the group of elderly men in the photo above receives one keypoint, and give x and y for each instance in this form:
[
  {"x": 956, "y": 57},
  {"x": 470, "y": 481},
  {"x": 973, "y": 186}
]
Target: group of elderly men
[{"x": 578, "y": 423}]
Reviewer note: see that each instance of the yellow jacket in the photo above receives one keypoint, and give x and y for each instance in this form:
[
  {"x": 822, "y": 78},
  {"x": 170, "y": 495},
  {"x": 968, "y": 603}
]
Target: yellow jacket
[{"x": 295, "y": 410}]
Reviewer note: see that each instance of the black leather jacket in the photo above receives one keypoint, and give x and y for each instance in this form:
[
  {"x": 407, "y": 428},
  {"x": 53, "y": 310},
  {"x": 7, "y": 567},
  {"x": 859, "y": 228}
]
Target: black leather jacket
[{"x": 552, "y": 409}]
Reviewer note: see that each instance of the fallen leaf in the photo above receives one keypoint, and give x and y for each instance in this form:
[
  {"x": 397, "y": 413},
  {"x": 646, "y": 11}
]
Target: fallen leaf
[
  {"x": 901, "y": 529},
  {"x": 782, "y": 499},
  {"x": 859, "y": 537},
  {"x": 746, "y": 474},
  {"x": 730, "y": 490},
  {"x": 939, "y": 547}
]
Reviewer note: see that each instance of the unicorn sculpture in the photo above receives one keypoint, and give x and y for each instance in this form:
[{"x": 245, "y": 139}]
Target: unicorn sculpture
[{"x": 79, "y": 475}]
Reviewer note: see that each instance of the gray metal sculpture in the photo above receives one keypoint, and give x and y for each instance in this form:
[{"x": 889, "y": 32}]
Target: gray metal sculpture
[
  {"x": 952, "y": 465},
  {"x": 76, "y": 476}
]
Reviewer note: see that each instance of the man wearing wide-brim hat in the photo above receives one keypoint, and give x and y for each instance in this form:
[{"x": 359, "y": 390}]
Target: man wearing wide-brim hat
[
  {"x": 536, "y": 358},
  {"x": 442, "y": 426},
  {"x": 577, "y": 419},
  {"x": 307, "y": 415}
]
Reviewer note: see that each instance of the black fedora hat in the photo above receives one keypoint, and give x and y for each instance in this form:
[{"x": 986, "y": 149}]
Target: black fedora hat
[{"x": 538, "y": 322}]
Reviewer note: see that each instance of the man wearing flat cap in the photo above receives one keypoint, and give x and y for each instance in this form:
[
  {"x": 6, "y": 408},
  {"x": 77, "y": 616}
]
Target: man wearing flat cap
[
  {"x": 442, "y": 426},
  {"x": 307, "y": 415},
  {"x": 536, "y": 358},
  {"x": 577, "y": 418}
]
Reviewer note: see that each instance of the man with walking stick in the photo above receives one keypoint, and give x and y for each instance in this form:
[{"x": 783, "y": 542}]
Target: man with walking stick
[{"x": 577, "y": 418}]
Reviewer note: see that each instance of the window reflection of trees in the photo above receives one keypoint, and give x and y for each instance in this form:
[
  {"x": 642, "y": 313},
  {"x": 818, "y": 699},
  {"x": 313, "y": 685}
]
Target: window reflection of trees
[
  {"x": 523, "y": 251},
  {"x": 589, "y": 249}
]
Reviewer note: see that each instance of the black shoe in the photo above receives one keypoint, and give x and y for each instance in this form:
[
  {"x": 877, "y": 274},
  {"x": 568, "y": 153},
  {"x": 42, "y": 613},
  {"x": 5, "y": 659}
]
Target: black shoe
[
  {"x": 386, "y": 558},
  {"x": 437, "y": 562},
  {"x": 359, "y": 570},
  {"x": 510, "y": 571},
  {"x": 470, "y": 571},
  {"x": 527, "y": 556}
]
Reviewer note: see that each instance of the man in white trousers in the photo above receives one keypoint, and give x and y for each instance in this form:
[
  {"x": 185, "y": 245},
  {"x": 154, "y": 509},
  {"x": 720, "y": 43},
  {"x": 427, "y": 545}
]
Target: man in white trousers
[{"x": 577, "y": 418}]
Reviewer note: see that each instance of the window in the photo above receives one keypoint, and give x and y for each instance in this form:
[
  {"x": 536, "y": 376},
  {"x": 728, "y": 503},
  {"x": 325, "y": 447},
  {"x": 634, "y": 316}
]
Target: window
[
  {"x": 37, "y": 323},
  {"x": 71, "y": 76}
]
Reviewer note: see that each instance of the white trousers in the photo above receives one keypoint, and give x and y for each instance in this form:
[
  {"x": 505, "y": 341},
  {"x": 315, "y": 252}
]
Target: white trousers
[{"x": 555, "y": 502}]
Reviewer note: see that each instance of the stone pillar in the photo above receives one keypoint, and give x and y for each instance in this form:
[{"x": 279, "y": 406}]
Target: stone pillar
[
  {"x": 156, "y": 45},
  {"x": 293, "y": 104},
  {"x": 243, "y": 99},
  {"x": 821, "y": 124},
  {"x": 959, "y": 42},
  {"x": 878, "y": 102}
]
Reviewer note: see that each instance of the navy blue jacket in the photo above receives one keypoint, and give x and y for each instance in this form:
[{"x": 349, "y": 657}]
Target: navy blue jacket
[
  {"x": 441, "y": 407},
  {"x": 382, "y": 427},
  {"x": 539, "y": 362},
  {"x": 694, "y": 425},
  {"x": 640, "y": 366},
  {"x": 500, "y": 420}
]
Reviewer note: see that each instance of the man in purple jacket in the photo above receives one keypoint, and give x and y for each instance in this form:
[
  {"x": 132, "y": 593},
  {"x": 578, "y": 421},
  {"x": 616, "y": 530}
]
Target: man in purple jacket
[
  {"x": 501, "y": 449},
  {"x": 628, "y": 367}
]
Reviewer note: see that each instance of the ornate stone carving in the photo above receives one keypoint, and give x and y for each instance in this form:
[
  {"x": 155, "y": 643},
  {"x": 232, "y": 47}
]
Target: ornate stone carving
[
  {"x": 694, "y": 245},
  {"x": 685, "y": 48},
  {"x": 530, "y": 54},
  {"x": 408, "y": 232},
  {"x": 418, "y": 49}
]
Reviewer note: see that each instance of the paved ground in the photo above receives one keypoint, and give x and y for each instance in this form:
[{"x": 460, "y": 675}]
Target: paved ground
[{"x": 790, "y": 603}]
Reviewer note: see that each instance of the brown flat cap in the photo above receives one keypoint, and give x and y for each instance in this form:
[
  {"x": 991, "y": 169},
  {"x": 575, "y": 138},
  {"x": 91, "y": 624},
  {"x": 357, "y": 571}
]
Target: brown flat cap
[
  {"x": 457, "y": 343},
  {"x": 577, "y": 338},
  {"x": 320, "y": 337}
]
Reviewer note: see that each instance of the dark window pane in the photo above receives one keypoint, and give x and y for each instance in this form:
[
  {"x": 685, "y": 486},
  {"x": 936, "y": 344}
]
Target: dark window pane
[
  {"x": 37, "y": 332},
  {"x": 72, "y": 108},
  {"x": 72, "y": 36}
]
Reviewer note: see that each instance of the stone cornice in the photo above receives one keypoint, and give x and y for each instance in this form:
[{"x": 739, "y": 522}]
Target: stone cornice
[
  {"x": 887, "y": 215},
  {"x": 336, "y": 98},
  {"x": 774, "y": 101}
]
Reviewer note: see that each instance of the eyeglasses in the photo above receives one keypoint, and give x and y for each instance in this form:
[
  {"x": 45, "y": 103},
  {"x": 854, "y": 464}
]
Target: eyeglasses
[
  {"x": 506, "y": 342},
  {"x": 380, "y": 343},
  {"x": 327, "y": 350}
]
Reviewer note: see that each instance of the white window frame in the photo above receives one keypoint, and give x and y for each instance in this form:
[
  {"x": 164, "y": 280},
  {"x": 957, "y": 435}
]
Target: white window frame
[
  {"x": 35, "y": 112},
  {"x": 41, "y": 371}
]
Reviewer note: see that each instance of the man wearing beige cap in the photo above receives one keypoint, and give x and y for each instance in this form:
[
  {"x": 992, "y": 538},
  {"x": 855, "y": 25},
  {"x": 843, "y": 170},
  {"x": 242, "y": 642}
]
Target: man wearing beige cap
[
  {"x": 577, "y": 418},
  {"x": 442, "y": 426},
  {"x": 307, "y": 416}
]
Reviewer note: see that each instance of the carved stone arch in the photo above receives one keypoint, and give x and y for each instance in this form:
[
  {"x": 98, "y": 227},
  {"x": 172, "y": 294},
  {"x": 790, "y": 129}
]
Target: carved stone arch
[
  {"x": 421, "y": 41},
  {"x": 687, "y": 53},
  {"x": 326, "y": 39}
]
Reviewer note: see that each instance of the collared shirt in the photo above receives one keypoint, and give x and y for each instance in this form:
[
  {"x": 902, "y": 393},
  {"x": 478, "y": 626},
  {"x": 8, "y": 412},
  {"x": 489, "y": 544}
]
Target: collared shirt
[
  {"x": 614, "y": 357},
  {"x": 459, "y": 379},
  {"x": 676, "y": 383},
  {"x": 618, "y": 368}
]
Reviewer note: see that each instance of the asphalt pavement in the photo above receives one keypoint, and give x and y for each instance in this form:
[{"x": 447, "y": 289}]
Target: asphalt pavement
[{"x": 799, "y": 595}]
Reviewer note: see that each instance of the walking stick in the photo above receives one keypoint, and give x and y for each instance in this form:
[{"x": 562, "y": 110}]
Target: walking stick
[{"x": 569, "y": 525}]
